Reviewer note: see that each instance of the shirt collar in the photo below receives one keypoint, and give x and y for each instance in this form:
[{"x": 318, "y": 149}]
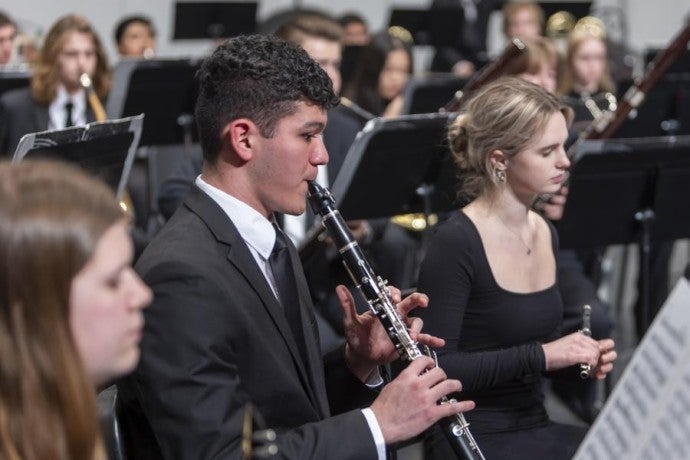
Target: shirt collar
[
  {"x": 62, "y": 97},
  {"x": 254, "y": 228}
]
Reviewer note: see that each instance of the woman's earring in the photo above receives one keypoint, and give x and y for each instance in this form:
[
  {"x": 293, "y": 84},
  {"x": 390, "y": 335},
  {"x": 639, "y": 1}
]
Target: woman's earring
[{"x": 500, "y": 175}]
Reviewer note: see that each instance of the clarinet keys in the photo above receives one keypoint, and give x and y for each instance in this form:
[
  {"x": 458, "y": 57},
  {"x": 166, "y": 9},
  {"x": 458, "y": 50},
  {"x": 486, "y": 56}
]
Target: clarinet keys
[{"x": 586, "y": 368}]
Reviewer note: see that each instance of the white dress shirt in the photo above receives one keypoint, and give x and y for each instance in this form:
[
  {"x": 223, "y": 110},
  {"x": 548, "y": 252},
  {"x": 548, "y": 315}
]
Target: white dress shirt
[{"x": 56, "y": 111}]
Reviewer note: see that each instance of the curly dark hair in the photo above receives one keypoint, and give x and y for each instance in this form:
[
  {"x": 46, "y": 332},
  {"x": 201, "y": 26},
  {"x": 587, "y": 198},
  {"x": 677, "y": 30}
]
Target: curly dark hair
[{"x": 256, "y": 77}]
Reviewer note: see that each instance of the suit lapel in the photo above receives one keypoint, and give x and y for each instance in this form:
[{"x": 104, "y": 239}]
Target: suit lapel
[
  {"x": 311, "y": 334},
  {"x": 41, "y": 118},
  {"x": 241, "y": 258}
]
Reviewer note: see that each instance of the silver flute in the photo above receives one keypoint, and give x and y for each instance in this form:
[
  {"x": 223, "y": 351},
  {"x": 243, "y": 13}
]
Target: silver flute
[
  {"x": 586, "y": 368},
  {"x": 375, "y": 291}
]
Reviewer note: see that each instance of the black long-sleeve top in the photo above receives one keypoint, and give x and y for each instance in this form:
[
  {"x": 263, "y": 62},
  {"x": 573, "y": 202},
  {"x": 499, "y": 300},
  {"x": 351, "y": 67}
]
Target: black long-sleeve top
[{"x": 493, "y": 336}]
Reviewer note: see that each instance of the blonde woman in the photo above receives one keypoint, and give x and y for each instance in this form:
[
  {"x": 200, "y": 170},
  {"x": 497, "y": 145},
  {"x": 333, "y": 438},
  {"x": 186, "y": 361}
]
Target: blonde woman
[
  {"x": 490, "y": 274},
  {"x": 586, "y": 81}
]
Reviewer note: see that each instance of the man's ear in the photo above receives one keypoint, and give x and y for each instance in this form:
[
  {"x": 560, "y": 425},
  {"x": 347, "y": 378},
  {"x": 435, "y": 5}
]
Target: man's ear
[
  {"x": 241, "y": 134},
  {"x": 499, "y": 160}
]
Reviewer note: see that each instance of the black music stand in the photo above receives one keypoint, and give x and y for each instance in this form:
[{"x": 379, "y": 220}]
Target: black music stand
[
  {"x": 665, "y": 110},
  {"x": 446, "y": 26},
  {"x": 680, "y": 66},
  {"x": 203, "y": 20},
  {"x": 164, "y": 90},
  {"x": 430, "y": 94},
  {"x": 105, "y": 149},
  {"x": 626, "y": 191},
  {"x": 398, "y": 166}
]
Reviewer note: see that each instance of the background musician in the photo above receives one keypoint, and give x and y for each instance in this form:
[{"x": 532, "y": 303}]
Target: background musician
[
  {"x": 586, "y": 82},
  {"x": 355, "y": 29},
  {"x": 56, "y": 98},
  {"x": 383, "y": 69},
  {"x": 135, "y": 37},
  {"x": 8, "y": 32},
  {"x": 522, "y": 19},
  {"x": 490, "y": 273}
]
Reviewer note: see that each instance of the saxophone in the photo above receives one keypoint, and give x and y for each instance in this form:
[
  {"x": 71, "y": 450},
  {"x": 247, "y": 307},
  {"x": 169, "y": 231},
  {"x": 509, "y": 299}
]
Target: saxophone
[
  {"x": 375, "y": 291},
  {"x": 100, "y": 115}
]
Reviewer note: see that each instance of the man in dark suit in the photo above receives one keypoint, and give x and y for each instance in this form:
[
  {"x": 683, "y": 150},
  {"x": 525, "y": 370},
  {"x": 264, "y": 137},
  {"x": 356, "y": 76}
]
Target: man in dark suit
[
  {"x": 217, "y": 336},
  {"x": 56, "y": 98},
  {"x": 320, "y": 36}
]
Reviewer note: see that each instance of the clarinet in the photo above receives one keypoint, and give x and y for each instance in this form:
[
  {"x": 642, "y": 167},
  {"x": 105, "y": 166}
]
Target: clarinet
[
  {"x": 586, "y": 368},
  {"x": 375, "y": 291}
]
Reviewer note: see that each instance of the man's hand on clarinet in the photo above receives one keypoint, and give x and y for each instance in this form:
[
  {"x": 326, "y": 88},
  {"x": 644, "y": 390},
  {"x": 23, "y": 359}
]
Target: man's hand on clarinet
[
  {"x": 368, "y": 344},
  {"x": 409, "y": 404}
]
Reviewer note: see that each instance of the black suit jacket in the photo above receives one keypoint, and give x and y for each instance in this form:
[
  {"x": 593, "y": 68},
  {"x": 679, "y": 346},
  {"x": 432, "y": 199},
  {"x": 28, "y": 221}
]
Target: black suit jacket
[
  {"x": 20, "y": 114},
  {"x": 216, "y": 338}
]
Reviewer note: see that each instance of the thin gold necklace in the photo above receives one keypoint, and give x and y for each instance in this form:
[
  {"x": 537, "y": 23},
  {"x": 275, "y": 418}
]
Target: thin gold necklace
[{"x": 527, "y": 246}]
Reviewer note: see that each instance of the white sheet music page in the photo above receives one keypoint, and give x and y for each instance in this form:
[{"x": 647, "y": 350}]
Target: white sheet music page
[{"x": 647, "y": 416}]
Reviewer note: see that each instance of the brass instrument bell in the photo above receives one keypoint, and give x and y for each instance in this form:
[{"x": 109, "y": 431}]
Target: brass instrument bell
[
  {"x": 592, "y": 26},
  {"x": 560, "y": 24}
]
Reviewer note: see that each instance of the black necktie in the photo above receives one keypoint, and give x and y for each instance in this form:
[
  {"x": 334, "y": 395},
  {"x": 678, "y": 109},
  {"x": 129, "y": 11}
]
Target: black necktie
[
  {"x": 68, "y": 111},
  {"x": 284, "y": 276}
]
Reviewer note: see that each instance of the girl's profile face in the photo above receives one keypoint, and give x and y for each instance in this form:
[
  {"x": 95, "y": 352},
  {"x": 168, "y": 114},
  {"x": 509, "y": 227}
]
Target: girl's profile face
[
  {"x": 541, "y": 166},
  {"x": 394, "y": 75},
  {"x": 106, "y": 302}
]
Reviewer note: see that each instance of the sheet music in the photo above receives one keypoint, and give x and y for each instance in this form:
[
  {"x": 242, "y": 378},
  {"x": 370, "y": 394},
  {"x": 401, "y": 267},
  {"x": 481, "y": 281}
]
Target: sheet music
[{"x": 647, "y": 416}]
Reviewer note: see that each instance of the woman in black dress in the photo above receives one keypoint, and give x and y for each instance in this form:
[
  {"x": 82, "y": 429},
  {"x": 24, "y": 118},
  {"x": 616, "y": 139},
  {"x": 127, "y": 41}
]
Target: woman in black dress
[{"x": 490, "y": 273}]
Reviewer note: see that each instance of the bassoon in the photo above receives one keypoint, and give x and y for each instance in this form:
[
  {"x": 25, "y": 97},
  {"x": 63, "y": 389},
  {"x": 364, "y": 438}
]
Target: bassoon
[{"x": 486, "y": 75}]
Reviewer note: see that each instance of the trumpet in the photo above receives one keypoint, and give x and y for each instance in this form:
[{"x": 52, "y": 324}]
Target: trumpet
[{"x": 585, "y": 368}]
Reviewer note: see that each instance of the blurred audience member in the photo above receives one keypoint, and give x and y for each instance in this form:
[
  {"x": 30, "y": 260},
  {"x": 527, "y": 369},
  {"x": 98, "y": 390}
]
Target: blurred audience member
[{"x": 135, "y": 37}]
